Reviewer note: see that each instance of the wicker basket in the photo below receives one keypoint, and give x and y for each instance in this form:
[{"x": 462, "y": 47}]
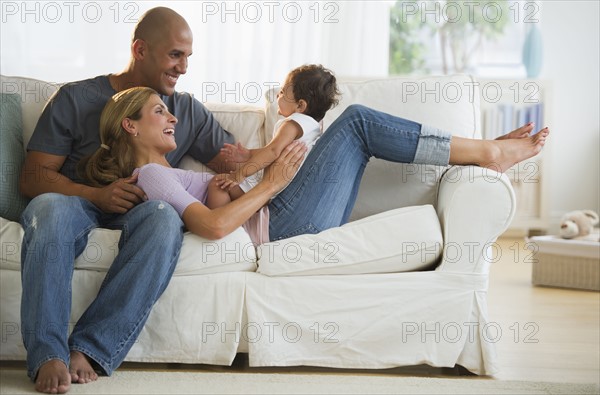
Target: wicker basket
[{"x": 566, "y": 263}]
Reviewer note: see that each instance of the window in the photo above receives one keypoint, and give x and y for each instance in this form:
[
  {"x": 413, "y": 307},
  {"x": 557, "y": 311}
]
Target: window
[{"x": 485, "y": 38}]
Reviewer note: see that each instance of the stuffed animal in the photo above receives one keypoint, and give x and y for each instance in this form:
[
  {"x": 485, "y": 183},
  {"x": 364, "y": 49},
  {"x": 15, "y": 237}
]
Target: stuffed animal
[{"x": 577, "y": 223}]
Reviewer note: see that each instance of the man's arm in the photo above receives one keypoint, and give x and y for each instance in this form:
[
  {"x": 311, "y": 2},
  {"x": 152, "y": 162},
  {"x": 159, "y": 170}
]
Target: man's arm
[
  {"x": 219, "y": 164},
  {"x": 208, "y": 135},
  {"x": 40, "y": 174}
]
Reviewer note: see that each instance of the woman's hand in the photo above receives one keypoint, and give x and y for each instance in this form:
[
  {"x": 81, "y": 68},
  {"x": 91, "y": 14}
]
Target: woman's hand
[
  {"x": 283, "y": 169},
  {"x": 235, "y": 153},
  {"x": 120, "y": 196}
]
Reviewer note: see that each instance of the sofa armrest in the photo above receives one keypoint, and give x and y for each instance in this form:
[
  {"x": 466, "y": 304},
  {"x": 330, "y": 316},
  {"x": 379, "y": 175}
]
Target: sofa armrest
[{"x": 474, "y": 206}]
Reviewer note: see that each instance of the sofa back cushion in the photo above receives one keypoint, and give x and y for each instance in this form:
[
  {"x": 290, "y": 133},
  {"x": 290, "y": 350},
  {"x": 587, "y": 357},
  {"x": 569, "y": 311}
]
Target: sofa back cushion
[
  {"x": 449, "y": 103},
  {"x": 244, "y": 122},
  {"x": 34, "y": 95}
]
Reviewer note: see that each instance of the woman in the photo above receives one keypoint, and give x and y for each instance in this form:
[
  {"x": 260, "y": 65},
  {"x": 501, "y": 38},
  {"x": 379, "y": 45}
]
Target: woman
[{"x": 137, "y": 130}]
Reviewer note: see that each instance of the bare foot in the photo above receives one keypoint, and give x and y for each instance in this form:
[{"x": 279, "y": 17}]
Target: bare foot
[
  {"x": 519, "y": 133},
  {"x": 505, "y": 153},
  {"x": 53, "y": 378},
  {"x": 81, "y": 370}
]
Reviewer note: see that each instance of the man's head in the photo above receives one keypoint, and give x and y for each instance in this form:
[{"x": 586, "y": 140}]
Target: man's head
[{"x": 161, "y": 45}]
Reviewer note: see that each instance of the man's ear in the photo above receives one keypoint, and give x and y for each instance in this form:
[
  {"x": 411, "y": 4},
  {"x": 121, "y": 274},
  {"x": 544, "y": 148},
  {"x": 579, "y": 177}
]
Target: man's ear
[
  {"x": 139, "y": 49},
  {"x": 302, "y": 105},
  {"x": 129, "y": 126}
]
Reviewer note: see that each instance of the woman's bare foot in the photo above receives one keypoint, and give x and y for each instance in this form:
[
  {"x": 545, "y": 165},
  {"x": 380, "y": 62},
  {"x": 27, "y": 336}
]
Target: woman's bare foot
[
  {"x": 519, "y": 133},
  {"x": 505, "y": 153},
  {"x": 81, "y": 370},
  {"x": 53, "y": 378}
]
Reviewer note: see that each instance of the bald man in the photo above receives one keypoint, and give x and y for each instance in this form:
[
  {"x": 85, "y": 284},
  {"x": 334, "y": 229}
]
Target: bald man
[{"x": 63, "y": 211}]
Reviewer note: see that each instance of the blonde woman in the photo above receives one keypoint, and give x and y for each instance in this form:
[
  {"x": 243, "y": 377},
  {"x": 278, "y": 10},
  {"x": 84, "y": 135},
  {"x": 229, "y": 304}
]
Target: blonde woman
[{"x": 137, "y": 131}]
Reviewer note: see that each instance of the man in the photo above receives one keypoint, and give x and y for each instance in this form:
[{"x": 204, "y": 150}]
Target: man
[{"x": 64, "y": 211}]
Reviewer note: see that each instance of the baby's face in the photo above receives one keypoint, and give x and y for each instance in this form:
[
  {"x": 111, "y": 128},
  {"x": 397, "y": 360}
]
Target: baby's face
[{"x": 286, "y": 103}]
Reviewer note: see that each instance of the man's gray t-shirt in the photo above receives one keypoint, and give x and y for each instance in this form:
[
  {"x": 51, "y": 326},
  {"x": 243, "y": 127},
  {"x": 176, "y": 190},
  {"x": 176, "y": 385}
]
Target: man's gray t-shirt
[{"x": 69, "y": 125}]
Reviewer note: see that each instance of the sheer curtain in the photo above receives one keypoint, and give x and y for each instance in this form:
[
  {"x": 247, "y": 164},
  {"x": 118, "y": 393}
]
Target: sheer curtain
[{"x": 241, "y": 48}]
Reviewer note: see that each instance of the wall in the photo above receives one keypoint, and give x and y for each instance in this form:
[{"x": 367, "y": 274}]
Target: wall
[
  {"x": 241, "y": 48},
  {"x": 571, "y": 62}
]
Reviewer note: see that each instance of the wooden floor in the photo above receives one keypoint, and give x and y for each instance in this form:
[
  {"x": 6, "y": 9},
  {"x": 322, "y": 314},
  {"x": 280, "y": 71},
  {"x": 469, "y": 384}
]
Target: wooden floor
[
  {"x": 541, "y": 334},
  {"x": 548, "y": 334}
]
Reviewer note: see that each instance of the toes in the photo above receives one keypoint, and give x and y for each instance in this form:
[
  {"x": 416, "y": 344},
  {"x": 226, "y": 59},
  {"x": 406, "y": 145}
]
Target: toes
[
  {"x": 53, "y": 378},
  {"x": 83, "y": 376},
  {"x": 52, "y": 386},
  {"x": 524, "y": 130}
]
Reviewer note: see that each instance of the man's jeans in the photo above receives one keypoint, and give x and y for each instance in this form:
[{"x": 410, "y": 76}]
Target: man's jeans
[
  {"x": 56, "y": 232},
  {"x": 322, "y": 194}
]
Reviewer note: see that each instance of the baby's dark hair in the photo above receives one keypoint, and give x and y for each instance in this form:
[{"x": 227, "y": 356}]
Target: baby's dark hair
[{"x": 317, "y": 86}]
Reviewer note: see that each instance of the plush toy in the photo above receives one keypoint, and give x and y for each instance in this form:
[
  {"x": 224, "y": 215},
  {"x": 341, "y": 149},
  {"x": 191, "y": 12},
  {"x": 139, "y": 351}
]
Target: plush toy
[{"x": 578, "y": 223}]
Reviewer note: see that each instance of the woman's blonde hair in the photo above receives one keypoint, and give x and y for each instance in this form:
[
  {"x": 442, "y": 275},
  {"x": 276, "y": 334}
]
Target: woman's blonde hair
[{"x": 116, "y": 157}]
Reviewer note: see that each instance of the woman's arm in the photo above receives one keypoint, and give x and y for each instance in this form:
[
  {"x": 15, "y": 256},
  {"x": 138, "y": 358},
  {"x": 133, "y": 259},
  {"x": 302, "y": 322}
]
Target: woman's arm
[
  {"x": 263, "y": 157},
  {"x": 217, "y": 223}
]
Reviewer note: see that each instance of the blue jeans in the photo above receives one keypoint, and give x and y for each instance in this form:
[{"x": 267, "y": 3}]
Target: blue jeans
[
  {"x": 56, "y": 232},
  {"x": 322, "y": 194}
]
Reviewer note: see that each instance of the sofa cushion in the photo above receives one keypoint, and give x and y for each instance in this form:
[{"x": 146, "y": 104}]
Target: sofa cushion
[
  {"x": 34, "y": 94},
  {"x": 399, "y": 240},
  {"x": 244, "y": 122},
  {"x": 12, "y": 203},
  {"x": 446, "y": 102},
  {"x": 233, "y": 253},
  {"x": 449, "y": 103}
]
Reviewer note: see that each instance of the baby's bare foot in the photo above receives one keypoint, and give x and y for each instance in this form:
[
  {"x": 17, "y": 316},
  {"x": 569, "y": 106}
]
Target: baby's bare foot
[
  {"x": 81, "y": 370},
  {"x": 53, "y": 378},
  {"x": 505, "y": 153},
  {"x": 519, "y": 133}
]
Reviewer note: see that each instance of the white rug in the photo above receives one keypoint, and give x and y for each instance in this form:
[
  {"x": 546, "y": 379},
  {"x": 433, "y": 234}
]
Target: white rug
[{"x": 144, "y": 382}]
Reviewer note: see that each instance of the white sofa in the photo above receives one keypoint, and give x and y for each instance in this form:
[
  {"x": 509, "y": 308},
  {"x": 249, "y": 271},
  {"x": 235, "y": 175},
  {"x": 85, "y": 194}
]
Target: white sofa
[{"x": 405, "y": 283}]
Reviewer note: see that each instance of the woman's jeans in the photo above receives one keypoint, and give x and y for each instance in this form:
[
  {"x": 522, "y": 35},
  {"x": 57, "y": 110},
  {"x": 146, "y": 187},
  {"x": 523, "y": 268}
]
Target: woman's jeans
[
  {"x": 322, "y": 194},
  {"x": 56, "y": 232}
]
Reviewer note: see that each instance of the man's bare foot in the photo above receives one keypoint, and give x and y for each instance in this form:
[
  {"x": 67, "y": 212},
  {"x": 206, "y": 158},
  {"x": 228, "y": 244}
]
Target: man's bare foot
[
  {"x": 53, "y": 378},
  {"x": 505, "y": 153},
  {"x": 519, "y": 133},
  {"x": 81, "y": 370}
]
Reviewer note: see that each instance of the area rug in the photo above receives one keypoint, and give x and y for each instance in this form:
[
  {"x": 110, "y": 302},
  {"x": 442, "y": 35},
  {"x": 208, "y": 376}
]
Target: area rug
[{"x": 151, "y": 382}]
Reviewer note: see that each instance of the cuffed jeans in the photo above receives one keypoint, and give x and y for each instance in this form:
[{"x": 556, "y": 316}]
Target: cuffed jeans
[
  {"x": 323, "y": 193},
  {"x": 56, "y": 232}
]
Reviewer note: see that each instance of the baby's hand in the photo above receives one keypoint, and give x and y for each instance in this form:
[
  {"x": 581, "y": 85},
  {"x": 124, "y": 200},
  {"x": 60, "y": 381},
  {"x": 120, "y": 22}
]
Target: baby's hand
[
  {"x": 235, "y": 153},
  {"x": 226, "y": 181}
]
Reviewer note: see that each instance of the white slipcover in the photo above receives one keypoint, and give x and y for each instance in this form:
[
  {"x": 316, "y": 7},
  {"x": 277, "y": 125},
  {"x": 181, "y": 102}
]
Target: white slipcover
[{"x": 216, "y": 305}]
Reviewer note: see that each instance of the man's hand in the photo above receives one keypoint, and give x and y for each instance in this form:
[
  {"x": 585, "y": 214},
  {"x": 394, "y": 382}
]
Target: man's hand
[
  {"x": 235, "y": 153},
  {"x": 120, "y": 196},
  {"x": 279, "y": 173}
]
